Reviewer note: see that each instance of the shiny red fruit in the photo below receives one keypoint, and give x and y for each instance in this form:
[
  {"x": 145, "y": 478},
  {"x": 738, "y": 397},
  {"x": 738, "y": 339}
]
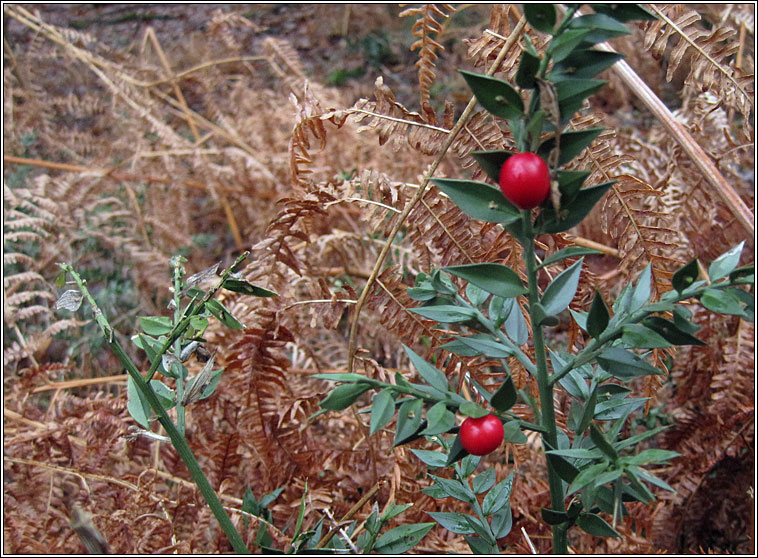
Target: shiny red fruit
[
  {"x": 525, "y": 180},
  {"x": 481, "y": 436}
]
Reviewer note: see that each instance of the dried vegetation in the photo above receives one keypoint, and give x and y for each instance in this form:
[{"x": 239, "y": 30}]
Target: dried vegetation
[{"x": 227, "y": 138}]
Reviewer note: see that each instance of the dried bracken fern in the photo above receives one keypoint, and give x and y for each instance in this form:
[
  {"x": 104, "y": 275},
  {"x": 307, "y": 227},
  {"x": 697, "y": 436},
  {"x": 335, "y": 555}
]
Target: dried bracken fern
[
  {"x": 227, "y": 138},
  {"x": 427, "y": 29}
]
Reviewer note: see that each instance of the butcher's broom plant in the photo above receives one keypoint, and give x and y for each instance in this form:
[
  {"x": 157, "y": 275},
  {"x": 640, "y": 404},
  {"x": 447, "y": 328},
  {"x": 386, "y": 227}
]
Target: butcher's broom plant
[{"x": 594, "y": 466}]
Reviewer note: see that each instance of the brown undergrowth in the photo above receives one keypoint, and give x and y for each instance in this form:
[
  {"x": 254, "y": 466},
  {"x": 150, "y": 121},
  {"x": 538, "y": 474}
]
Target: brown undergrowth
[{"x": 119, "y": 156}]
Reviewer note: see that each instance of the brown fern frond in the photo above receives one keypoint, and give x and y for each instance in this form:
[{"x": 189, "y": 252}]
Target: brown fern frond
[
  {"x": 427, "y": 29},
  {"x": 393, "y": 121},
  {"x": 705, "y": 52}
]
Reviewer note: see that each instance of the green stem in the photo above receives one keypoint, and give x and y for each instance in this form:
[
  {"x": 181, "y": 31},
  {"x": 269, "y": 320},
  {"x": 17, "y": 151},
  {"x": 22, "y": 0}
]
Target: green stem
[
  {"x": 184, "y": 324},
  {"x": 177, "y": 440},
  {"x": 550, "y": 436},
  {"x": 595, "y": 346}
]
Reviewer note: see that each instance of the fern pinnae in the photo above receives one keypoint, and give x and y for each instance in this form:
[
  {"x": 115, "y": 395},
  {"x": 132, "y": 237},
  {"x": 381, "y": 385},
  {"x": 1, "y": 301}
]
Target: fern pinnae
[{"x": 427, "y": 29}]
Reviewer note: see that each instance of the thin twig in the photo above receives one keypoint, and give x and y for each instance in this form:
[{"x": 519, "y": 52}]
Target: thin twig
[
  {"x": 704, "y": 54},
  {"x": 468, "y": 111},
  {"x": 701, "y": 159},
  {"x": 528, "y": 540}
]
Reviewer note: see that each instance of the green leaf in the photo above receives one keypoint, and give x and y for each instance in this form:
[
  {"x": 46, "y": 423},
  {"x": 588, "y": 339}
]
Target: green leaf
[
  {"x": 479, "y": 200},
  {"x": 505, "y": 396},
  {"x": 597, "y": 319},
  {"x": 137, "y": 404},
  {"x": 409, "y": 417},
  {"x": 639, "y": 490},
  {"x": 641, "y": 291},
  {"x": 484, "y": 481},
  {"x": 223, "y": 315},
  {"x": 343, "y": 396},
  {"x": 595, "y": 525},
  {"x": 513, "y": 434},
  {"x": 562, "y": 289},
  {"x": 670, "y": 332},
  {"x": 685, "y": 276},
  {"x": 554, "y": 517},
  {"x": 623, "y": 11},
  {"x": 745, "y": 271},
  {"x": 457, "y": 452},
  {"x": 568, "y": 252},
  {"x": 615, "y": 409},
  {"x": 498, "y": 497},
  {"x": 571, "y": 96},
  {"x": 578, "y": 453},
  {"x": 478, "y": 545},
  {"x": 542, "y": 318},
  {"x": 584, "y": 63},
  {"x": 502, "y": 522},
  {"x": 722, "y": 302},
  {"x": 454, "y": 488},
  {"x": 433, "y": 459},
  {"x": 602, "y": 444},
  {"x": 540, "y": 16},
  {"x": 445, "y": 313},
  {"x": 471, "y": 409},
  {"x": 475, "y": 295},
  {"x": 434, "y": 377},
  {"x": 245, "y": 287},
  {"x": 527, "y": 70},
  {"x": 725, "y": 263},
  {"x": 589, "y": 412},
  {"x": 382, "y": 410},
  {"x": 491, "y": 162},
  {"x": 651, "y": 456},
  {"x": 641, "y": 337},
  {"x": 601, "y": 26},
  {"x": 439, "y": 420},
  {"x": 456, "y": 346},
  {"x": 652, "y": 479},
  {"x": 624, "y": 364},
  {"x": 562, "y": 467},
  {"x": 515, "y": 324},
  {"x": 574, "y": 383},
  {"x": 487, "y": 346},
  {"x": 747, "y": 299},
  {"x": 570, "y": 184},
  {"x": 572, "y": 144},
  {"x": 346, "y": 377},
  {"x": 573, "y": 212},
  {"x": 441, "y": 282},
  {"x": 563, "y": 45},
  {"x": 402, "y": 539},
  {"x": 468, "y": 465},
  {"x": 480, "y": 530},
  {"x": 165, "y": 394},
  {"x": 453, "y": 522},
  {"x": 587, "y": 476},
  {"x": 495, "y": 95},
  {"x": 156, "y": 325},
  {"x": 497, "y": 279}
]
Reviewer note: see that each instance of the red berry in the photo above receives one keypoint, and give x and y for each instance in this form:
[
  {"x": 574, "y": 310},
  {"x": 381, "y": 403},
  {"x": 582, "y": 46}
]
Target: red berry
[
  {"x": 481, "y": 436},
  {"x": 525, "y": 180}
]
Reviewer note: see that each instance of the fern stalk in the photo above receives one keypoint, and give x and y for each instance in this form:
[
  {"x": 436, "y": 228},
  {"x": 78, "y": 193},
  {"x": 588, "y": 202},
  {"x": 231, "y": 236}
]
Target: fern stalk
[{"x": 177, "y": 439}]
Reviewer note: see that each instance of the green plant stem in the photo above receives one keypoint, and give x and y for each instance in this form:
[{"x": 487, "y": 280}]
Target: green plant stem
[
  {"x": 595, "y": 346},
  {"x": 184, "y": 324},
  {"x": 547, "y": 406},
  {"x": 177, "y": 440},
  {"x": 181, "y": 413}
]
